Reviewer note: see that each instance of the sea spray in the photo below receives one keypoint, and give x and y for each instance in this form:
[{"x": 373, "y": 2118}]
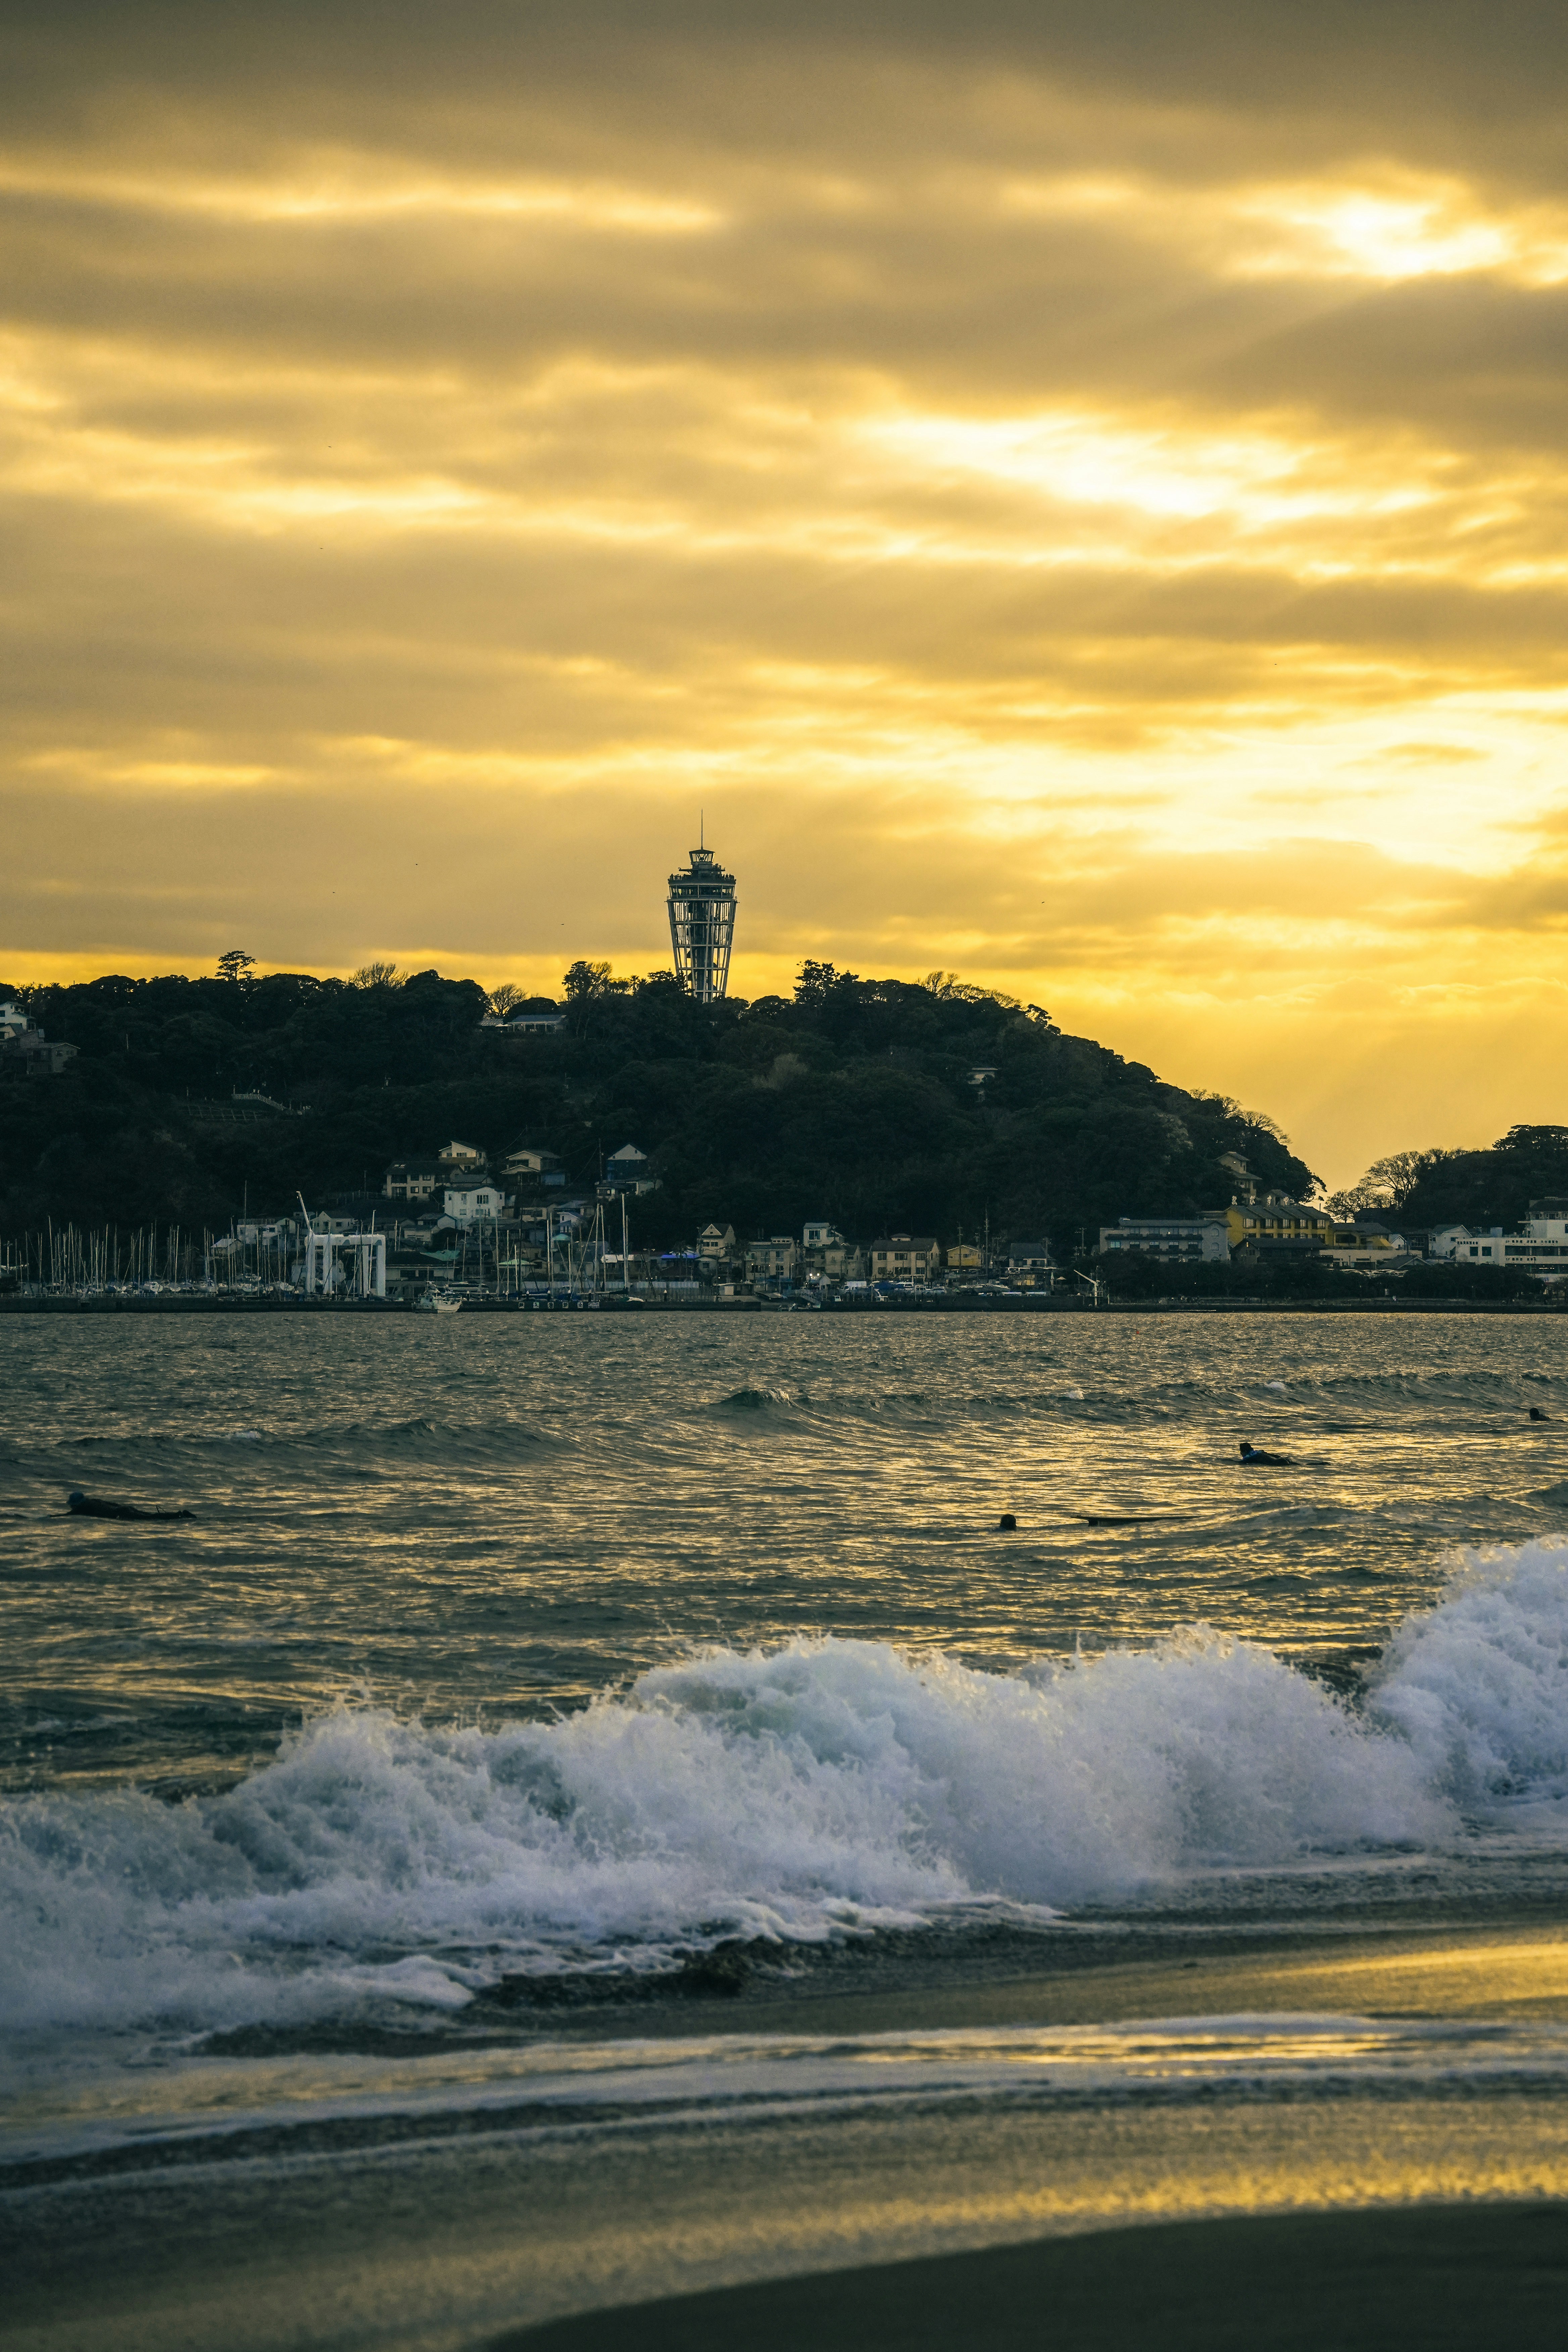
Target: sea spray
[
  {"x": 815, "y": 1789},
  {"x": 1478, "y": 1685}
]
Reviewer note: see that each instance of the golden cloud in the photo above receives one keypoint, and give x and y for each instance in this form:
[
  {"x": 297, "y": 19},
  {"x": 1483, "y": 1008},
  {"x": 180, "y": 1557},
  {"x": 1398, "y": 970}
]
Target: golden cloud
[{"x": 1087, "y": 513}]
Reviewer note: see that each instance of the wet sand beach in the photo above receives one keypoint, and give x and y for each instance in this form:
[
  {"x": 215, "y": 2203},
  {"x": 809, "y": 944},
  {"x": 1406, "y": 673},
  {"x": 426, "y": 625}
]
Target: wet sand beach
[
  {"x": 1437, "y": 2276},
  {"x": 1012, "y": 2130}
]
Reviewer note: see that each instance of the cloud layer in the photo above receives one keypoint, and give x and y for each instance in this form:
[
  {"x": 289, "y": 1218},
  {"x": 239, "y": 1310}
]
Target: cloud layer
[{"x": 1085, "y": 509}]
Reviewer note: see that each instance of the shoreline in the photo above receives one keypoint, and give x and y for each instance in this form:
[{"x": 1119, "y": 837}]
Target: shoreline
[
  {"x": 608, "y": 1303},
  {"x": 1513, "y": 1967},
  {"x": 1344, "y": 2210}
]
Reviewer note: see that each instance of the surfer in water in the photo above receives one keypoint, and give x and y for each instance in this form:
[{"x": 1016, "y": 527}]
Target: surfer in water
[
  {"x": 1254, "y": 1458},
  {"x": 98, "y": 1507}
]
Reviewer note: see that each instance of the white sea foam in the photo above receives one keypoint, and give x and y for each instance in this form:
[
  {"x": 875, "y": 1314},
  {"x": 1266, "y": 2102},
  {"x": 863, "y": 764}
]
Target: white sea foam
[
  {"x": 1478, "y": 1685},
  {"x": 823, "y": 1787}
]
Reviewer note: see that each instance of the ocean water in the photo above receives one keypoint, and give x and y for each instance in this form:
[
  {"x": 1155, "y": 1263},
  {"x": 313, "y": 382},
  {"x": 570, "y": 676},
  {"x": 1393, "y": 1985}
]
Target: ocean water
[{"x": 521, "y": 1681}]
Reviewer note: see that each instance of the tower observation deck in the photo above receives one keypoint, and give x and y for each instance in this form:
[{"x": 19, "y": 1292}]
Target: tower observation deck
[{"x": 702, "y": 926}]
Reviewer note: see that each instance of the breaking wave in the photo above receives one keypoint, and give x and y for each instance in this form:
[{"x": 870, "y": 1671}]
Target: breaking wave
[{"x": 823, "y": 1788}]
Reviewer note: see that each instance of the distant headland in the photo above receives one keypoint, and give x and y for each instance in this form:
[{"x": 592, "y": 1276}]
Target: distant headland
[{"x": 871, "y": 1136}]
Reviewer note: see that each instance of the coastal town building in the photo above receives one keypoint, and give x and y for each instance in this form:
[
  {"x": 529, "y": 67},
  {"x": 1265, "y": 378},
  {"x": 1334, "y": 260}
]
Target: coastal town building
[
  {"x": 460, "y": 1158},
  {"x": 904, "y": 1257},
  {"x": 1235, "y": 1165},
  {"x": 25, "y": 1050},
  {"x": 1277, "y": 1226},
  {"x": 629, "y": 1170},
  {"x": 413, "y": 1179},
  {"x": 1184, "y": 1240},
  {"x": 825, "y": 1254},
  {"x": 834, "y": 1261},
  {"x": 716, "y": 1245},
  {"x": 772, "y": 1260},
  {"x": 1369, "y": 1243},
  {"x": 531, "y": 1165},
  {"x": 964, "y": 1257},
  {"x": 1030, "y": 1264},
  {"x": 1539, "y": 1246},
  {"x": 466, "y": 1205}
]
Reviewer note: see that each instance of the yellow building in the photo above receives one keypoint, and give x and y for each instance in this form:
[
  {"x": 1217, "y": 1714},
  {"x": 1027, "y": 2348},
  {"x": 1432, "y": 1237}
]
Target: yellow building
[
  {"x": 1277, "y": 1222},
  {"x": 904, "y": 1257}
]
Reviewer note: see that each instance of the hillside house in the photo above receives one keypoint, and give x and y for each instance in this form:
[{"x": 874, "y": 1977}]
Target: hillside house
[
  {"x": 413, "y": 1179},
  {"x": 1278, "y": 1226},
  {"x": 531, "y": 1165},
  {"x": 27, "y": 1051},
  {"x": 472, "y": 1204},
  {"x": 629, "y": 1170}
]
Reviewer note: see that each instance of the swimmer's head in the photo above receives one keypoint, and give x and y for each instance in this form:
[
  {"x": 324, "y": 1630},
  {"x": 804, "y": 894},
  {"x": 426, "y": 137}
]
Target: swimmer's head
[{"x": 72, "y": 1500}]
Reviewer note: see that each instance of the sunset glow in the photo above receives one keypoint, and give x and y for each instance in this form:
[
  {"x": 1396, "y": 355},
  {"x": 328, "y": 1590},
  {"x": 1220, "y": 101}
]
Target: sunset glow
[{"x": 1053, "y": 529}]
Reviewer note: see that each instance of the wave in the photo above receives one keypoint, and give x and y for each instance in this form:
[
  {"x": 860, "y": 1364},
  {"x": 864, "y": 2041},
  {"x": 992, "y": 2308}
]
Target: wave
[
  {"x": 826, "y": 1788},
  {"x": 1478, "y": 1685}
]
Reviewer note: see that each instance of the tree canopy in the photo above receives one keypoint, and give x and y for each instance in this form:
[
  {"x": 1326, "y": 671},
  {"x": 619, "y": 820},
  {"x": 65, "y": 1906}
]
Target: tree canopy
[{"x": 929, "y": 1106}]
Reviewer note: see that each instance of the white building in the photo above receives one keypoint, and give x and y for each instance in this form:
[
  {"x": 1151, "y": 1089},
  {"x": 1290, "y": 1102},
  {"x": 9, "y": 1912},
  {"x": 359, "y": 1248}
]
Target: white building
[
  {"x": 470, "y": 1204},
  {"x": 1540, "y": 1247}
]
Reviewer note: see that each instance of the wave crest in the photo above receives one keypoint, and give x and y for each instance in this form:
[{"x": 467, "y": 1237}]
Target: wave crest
[{"x": 823, "y": 1788}]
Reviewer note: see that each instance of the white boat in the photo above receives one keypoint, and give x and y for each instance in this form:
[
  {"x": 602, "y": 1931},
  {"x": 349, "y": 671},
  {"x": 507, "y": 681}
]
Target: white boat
[{"x": 438, "y": 1302}]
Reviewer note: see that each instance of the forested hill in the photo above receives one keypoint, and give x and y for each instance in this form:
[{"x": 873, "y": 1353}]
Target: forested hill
[{"x": 854, "y": 1101}]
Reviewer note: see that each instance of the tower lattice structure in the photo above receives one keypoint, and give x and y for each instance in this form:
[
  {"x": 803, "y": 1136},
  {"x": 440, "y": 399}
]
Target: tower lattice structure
[{"x": 702, "y": 926}]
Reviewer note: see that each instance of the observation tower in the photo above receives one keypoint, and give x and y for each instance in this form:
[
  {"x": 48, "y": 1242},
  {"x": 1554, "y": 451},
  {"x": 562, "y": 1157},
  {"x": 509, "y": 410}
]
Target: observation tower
[{"x": 702, "y": 925}]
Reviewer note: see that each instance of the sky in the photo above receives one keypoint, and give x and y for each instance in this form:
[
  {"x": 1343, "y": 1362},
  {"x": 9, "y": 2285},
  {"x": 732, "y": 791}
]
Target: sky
[{"x": 1073, "y": 496}]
